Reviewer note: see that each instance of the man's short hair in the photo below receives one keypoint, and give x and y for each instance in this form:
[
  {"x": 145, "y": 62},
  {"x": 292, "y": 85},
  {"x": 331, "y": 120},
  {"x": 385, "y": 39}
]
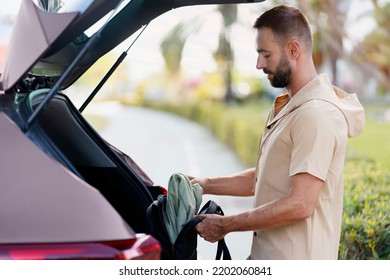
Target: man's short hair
[{"x": 286, "y": 22}]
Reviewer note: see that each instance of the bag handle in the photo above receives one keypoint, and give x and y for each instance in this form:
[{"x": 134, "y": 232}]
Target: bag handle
[
  {"x": 211, "y": 207},
  {"x": 223, "y": 250}
]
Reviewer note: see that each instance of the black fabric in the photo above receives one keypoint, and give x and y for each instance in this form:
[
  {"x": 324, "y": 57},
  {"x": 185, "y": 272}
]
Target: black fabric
[
  {"x": 129, "y": 198},
  {"x": 185, "y": 246},
  {"x": 213, "y": 208}
]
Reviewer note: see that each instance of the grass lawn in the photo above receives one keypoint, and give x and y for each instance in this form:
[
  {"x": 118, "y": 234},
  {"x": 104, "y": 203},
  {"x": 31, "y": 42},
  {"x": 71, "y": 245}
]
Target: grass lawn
[{"x": 374, "y": 142}]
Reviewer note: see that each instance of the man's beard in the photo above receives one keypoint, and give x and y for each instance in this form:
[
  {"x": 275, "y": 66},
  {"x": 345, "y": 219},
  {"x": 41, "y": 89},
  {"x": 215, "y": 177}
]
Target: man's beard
[{"x": 282, "y": 74}]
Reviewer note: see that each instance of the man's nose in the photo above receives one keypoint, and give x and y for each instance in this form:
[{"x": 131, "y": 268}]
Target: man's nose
[{"x": 261, "y": 64}]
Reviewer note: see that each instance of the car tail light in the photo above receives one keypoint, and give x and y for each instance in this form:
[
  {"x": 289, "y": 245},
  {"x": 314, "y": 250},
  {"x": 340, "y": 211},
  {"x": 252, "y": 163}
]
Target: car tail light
[
  {"x": 142, "y": 248},
  {"x": 163, "y": 190},
  {"x": 155, "y": 191}
]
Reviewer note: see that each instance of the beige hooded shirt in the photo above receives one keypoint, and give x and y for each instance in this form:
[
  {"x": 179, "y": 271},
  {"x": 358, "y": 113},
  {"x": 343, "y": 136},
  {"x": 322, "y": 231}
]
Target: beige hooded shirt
[{"x": 309, "y": 135}]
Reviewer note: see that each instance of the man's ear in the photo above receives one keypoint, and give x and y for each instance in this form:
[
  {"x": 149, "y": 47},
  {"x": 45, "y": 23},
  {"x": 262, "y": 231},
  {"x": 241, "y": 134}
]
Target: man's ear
[{"x": 293, "y": 49}]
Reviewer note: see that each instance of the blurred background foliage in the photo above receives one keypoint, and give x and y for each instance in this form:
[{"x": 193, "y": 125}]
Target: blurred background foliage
[{"x": 353, "y": 48}]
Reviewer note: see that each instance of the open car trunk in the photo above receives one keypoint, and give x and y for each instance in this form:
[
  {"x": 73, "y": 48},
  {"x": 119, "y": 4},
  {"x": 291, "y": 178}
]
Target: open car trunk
[
  {"x": 60, "y": 181},
  {"x": 73, "y": 142}
]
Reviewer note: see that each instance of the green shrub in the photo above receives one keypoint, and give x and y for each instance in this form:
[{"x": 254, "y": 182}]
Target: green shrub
[{"x": 366, "y": 217}]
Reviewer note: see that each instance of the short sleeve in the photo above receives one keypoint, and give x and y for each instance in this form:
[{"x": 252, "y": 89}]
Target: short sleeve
[{"x": 314, "y": 136}]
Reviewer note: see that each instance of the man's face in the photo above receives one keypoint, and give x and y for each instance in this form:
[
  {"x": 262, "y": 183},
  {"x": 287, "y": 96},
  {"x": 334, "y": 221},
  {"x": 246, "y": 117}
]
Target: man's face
[{"x": 272, "y": 59}]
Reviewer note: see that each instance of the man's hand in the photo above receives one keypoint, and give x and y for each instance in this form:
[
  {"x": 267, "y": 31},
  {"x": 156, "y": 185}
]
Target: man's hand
[
  {"x": 212, "y": 227},
  {"x": 195, "y": 180}
]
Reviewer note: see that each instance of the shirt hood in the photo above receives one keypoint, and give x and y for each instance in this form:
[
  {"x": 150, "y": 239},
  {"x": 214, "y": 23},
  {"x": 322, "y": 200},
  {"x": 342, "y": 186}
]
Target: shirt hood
[{"x": 321, "y": 88}]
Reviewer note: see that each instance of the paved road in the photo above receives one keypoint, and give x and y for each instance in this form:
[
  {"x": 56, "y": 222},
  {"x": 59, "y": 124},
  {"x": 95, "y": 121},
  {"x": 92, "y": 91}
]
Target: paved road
[{"x": 163, "y": 144}]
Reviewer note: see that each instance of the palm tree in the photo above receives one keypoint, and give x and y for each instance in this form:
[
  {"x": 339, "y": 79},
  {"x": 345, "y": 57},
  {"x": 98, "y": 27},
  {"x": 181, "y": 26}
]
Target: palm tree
[
  {"x": 328, "y": 39},
  {"x": 370, "y": 57},
  {"x": 172, "y": 48},
  {"x": 173, "y": 44},
  {"x": 375, "y": 48},
  {"x": 224, "y": 54}
]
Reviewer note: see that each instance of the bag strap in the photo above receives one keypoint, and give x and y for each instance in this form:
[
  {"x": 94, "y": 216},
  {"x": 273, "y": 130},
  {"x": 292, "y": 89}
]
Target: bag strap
[
  {"x": 223, "y": 250},
  {"x": 211, "y": 207}
]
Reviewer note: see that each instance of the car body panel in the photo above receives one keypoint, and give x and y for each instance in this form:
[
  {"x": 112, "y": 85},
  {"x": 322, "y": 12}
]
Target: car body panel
[
  {"x": 38, "y": 30},
  {"x": 48, "y": 202}
]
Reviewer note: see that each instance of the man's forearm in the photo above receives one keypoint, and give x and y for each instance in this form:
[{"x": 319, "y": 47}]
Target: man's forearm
[{"x": 239, "y": 184}]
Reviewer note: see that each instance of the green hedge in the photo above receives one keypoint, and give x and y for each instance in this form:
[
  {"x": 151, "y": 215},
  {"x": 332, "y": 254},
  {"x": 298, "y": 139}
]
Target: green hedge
[{"x": 366, "y": 217}]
